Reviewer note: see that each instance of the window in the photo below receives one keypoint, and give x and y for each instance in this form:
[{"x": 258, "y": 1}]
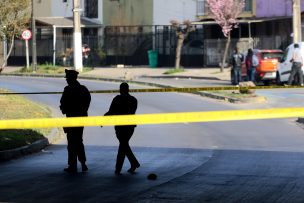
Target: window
[
  {"x": 91, "y": 8},
  {"x": 284, "y": 58},
  {"x": 248, "y": 5},
  {"x": 272, "y": 55},
  {"x": 202, "y": 7}
]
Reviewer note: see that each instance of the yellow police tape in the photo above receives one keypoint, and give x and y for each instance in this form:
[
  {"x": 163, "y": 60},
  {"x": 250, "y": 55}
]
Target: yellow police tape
[
  {"x": 164, "y": 118},
  {"x": 173, "y": 89}
]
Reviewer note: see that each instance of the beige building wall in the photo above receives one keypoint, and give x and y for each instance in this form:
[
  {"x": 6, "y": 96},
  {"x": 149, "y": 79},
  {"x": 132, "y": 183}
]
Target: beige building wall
[
  {"x": 128, "y": 12},
  {"x": 43, "y": 8}
]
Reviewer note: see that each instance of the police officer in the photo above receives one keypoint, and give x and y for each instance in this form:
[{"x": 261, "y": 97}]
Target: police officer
[{"x": 75, "y": 102}]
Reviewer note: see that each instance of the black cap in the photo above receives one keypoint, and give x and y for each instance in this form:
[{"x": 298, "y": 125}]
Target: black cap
[{"x": 71, "y": 73}]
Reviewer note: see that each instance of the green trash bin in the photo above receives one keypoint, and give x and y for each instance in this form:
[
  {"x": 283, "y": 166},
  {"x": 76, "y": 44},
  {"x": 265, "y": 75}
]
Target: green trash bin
[{"x": 153, "y": 57}]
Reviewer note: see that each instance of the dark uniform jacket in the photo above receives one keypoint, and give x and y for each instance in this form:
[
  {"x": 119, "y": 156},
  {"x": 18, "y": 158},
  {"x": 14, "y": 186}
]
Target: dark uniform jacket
[
  {"x": 123, "y": 105},
  {"x": 75, "y": 100}
]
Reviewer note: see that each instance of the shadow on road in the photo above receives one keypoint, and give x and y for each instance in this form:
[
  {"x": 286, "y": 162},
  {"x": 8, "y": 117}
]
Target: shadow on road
[{"x": 40, "y": 177}]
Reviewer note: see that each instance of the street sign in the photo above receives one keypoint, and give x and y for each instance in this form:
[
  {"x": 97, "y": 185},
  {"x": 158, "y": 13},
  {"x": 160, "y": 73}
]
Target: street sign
[{"x": 26, "y": 35}]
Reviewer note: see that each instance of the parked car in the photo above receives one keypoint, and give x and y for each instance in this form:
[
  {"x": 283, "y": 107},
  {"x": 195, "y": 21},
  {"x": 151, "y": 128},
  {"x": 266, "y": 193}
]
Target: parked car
[
  {"x": 284, "y": 67},
  {"x": 267, "y": 68},
  {"x": 268, "y": 65}
]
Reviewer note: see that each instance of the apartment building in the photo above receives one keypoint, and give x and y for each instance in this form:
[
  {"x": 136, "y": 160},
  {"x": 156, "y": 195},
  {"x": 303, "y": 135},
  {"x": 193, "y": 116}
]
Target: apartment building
[
  {"x": 126, "y": 29},
  {"x": 263, "y": 25},
  {"x": 105, "y": 25},
  {"x": 132, "y": 27},
  {"x": 59, "y": 14},
  {"x": 54, "y": 29},
  {"x": 259, "y": 18},
  {"x": 147, "y": 12}
]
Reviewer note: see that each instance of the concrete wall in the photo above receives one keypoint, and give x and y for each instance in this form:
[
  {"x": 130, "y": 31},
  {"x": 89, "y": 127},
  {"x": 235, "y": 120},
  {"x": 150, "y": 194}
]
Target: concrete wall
[
  {"x": 180, "y": 10},
  {"x": 127, "y": 12},
  {"x": 43, "y": 8},
  {"x": 59, "y": 8},
  {"x": 55, "y": 8},
  {"x": 148, "y": 12}
]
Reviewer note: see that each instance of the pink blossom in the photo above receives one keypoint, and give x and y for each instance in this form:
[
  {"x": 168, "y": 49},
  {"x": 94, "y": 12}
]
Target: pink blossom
[{"x": 226, "y": 12}]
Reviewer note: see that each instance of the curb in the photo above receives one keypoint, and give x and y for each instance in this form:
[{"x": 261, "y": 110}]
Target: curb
[
  {"x": 183, "y": 77},
  {"x": 32, "y": 148},
  {"x": 25, "y": 150}
]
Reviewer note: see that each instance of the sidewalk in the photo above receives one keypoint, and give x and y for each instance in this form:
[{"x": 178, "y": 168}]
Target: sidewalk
[{"x": 133, "y": 73}]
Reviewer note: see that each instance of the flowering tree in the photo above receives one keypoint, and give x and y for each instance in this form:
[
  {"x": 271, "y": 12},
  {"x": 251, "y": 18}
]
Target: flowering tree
[
  {"x": 14, "y": 17},
  {"x": 225, "y": 13},
  {"x": 182, "y": 32}
]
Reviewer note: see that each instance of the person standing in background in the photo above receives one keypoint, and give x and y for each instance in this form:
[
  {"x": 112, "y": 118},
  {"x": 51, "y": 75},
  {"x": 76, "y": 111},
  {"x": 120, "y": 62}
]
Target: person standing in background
[
  {"x": 297, "y": 63},
  {"x": 251, "y": 62},
  {"x": 236, "y": 61}
]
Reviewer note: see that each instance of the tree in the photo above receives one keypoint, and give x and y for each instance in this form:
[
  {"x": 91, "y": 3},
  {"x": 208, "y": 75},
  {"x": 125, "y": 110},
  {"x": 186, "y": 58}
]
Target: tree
[
  {"x": 225, "y": 13},
  {"x": 14, "y": 18},
  {"x": 182, "y": 32}
]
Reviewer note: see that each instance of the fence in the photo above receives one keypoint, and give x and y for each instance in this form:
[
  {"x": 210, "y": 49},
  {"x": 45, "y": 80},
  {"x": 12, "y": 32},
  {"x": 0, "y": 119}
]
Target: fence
[
  {"x": 129, "y": 45},
  {"x": 63, "y": 50}
]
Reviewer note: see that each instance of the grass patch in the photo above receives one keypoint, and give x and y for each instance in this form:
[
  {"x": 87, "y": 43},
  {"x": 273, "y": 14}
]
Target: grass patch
[
  {"x": 172, "y": 71},
  {"x": 12, "y": 139},
  {"x": 49, "y": 69},
  {"x": 233, "y": 94},
  {"x": 18, "y": 107},
  {"x": 217, "y": 72}
]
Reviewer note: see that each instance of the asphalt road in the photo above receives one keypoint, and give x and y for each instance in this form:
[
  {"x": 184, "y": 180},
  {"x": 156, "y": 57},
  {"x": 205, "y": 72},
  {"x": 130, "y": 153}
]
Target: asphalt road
[{"x": 240, "y": 161}]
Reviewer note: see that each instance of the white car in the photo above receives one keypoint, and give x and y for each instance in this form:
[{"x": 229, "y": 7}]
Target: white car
[{"x": 284, "y": 67}]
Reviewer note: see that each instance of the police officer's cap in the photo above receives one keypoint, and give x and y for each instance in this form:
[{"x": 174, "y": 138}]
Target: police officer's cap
[{"x": 71, "y": 73}]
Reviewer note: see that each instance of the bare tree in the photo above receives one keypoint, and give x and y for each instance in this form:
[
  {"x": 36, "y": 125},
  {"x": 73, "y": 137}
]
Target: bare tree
[
  {"x": 14, "y": 17},
  {"x": 182, "y": 32},
  {"x": 225, "y": 13}
]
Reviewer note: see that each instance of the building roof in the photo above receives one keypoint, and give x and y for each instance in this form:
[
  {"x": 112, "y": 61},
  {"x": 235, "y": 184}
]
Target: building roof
[{"x": 65, "y": 22}]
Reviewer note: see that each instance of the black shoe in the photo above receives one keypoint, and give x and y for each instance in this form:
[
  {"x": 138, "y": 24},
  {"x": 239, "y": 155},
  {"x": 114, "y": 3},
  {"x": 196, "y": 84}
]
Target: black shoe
[
  {"x": 84, "y": 168},
  {"x": 133, "y": 168},
  {"x": 70, "y": 169},
  {"x": 117, "y": 173}
]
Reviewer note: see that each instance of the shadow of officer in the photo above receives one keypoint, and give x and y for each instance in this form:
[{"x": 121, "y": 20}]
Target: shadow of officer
[
  {"x": 124, "y": 104},
  {"x": 75, "y": 101}
]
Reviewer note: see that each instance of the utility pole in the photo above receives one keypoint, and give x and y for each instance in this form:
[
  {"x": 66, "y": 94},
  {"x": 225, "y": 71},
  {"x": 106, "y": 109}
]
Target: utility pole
[
  {"x": 296, "y": 21},
  {"x": 77, "y": 37},
  {"x": 34, "y": 50}
]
